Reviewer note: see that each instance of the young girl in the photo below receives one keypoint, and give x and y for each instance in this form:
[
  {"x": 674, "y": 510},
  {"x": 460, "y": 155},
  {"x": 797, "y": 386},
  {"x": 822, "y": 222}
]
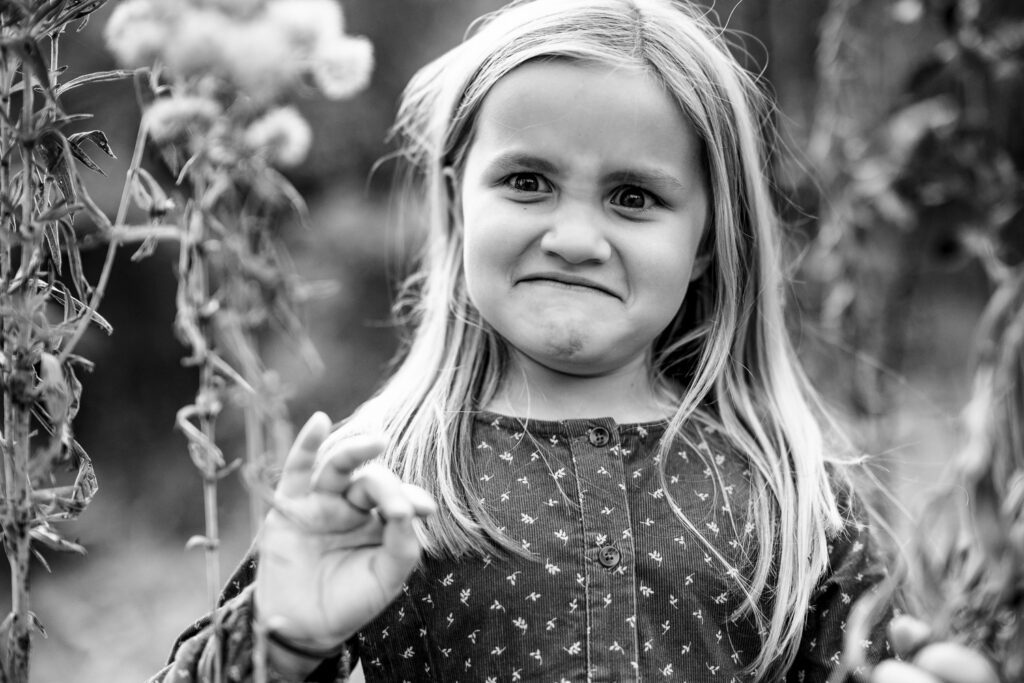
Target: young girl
[{"x": 598, "y": 458}]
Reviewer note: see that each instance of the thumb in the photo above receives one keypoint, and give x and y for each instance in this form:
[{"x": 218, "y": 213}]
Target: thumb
[{"x": 400, "y": 553}]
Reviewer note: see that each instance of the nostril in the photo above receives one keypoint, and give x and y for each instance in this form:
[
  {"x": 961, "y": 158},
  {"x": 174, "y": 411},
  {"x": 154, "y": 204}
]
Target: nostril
[{"x": 576, "y": 244}]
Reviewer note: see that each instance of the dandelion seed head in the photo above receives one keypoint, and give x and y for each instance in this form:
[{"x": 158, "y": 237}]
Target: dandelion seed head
[
  {"x": 307, "y": 23},
  {"x": 136, "y": 32},
  {"x": 174, "y": 119},
  {"x": 260, "y": 61},
  {"x": 197, "y": 47},
  {"x": 342, "y": 67},
  {"x": 282, "y": 136}
]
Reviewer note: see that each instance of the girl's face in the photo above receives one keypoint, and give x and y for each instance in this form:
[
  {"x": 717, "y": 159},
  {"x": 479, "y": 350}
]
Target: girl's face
[{"x": 583, "y": 203}]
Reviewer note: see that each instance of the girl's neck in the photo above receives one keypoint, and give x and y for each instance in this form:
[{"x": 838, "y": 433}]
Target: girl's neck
[{"x": 532, "y": 391}]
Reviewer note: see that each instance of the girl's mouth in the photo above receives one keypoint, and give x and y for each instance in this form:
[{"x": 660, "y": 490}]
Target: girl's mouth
[{"x": 569, "y": 280}]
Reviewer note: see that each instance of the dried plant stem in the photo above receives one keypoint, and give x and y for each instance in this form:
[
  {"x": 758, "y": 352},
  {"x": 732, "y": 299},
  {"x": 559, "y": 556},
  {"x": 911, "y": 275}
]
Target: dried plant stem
[
  {"x": 112, "y": 245},
  {"x": 17, "y": 513},
  {"x": 17, "y": 518}
]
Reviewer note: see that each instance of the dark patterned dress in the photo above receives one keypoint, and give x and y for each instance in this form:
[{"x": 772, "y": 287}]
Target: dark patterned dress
[{"x": 612, "y": 586}]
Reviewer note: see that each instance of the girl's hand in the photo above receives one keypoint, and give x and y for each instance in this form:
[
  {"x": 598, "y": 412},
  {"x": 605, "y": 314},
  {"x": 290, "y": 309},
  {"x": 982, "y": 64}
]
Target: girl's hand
[
  {"x": 339, "y": 544},
  {"x": 928, "y": 662}
]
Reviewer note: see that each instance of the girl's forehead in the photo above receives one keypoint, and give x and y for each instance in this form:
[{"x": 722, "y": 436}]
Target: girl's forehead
[{"x": 585, "y": 110}]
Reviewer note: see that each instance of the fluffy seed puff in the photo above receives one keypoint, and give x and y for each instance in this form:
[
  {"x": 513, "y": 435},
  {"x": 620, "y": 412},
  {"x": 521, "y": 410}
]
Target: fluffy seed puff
[
  {"x": 259, "y": 55},
  {"x": 281, "y": 136},
  {"x": 178, "y": 118}
]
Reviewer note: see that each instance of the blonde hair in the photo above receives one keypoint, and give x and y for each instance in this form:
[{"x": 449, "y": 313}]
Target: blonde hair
[{"x": 728, "y": 347}]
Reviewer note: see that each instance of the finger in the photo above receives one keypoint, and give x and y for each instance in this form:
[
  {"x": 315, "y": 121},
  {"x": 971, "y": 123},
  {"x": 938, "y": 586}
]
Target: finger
[
  {"x": 295, "y": 477},
  {"x": 908, "y": 635},
  {"x": 955, "y": 663},
  {"x": 337, "y": 462},
  {"x": 378, "y": 487},
  {"x": 422, "y": 502},
  {"x": 401, "y": 553},
  {"x": 892, "y": 671}
]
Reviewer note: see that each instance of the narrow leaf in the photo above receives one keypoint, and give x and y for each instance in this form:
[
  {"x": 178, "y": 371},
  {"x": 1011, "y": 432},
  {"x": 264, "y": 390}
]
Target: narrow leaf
[
  {"x": 53, "y": 148},
  {"x": 82, "y": 285},
  {"x": 80, "y": 154},
  {"x": 51, "y": 233},
  {"x": 62, "y": 209},
  {"x": 98, "y": 77},
  {"x": 97, "y": 137}
]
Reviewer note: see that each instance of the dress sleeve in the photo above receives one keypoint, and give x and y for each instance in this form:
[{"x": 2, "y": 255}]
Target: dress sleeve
[
  {"x": 194, "y": 655},
  {"x": 856, "y": 569}
]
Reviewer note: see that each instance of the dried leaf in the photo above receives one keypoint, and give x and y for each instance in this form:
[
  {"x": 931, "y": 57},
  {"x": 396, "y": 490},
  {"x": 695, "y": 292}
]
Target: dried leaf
[
  {"x": 145, "y": 249},
  {"x": 80, "y": 154},
  {"x": 52, "y": 388},
  {"x": 51, "y": 234},
  {"x": 58, "y": 211},
  {"x": 82, "y": 285},
  {"x": 60, "y": 293},
  {"x": 48, "y": 536},
  {"x": 37, "y": 624},
  {"x": 98, "y": 138},
  {"x": 97, "y": 77},
  {"x": 53, "y": 148}
]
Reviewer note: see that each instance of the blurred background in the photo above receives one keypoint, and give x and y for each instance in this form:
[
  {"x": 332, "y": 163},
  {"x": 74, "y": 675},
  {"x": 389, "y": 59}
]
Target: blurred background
[{"x": 885, "y": 306}]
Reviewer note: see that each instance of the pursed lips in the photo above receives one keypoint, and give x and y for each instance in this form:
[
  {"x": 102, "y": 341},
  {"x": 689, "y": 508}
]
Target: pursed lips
[{"x": 568, "y": 279}]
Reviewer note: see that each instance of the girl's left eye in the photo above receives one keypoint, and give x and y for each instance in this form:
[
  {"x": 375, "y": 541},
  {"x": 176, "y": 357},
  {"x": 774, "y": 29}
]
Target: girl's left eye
[{"x": 633, "y": 198}]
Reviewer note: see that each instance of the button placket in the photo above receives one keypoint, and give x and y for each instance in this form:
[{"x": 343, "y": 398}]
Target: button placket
[{"x": 612, "y": 645}]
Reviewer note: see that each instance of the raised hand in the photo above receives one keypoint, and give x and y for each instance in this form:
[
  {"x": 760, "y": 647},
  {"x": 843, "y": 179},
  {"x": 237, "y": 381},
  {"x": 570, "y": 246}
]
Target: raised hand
[
  {"x": 340, "y": 542},
  {"x": 930, "y": 662}
]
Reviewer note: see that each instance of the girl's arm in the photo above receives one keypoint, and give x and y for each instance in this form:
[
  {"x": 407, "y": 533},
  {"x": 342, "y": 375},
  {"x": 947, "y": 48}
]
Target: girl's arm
[
  {"x": 333, "y": 553},
  {"x": 195, "y": 655}
]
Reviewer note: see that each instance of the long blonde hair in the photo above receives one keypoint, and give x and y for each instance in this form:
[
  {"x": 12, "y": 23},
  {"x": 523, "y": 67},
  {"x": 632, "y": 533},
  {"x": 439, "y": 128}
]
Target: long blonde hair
[{"x": 728, "y": 347}]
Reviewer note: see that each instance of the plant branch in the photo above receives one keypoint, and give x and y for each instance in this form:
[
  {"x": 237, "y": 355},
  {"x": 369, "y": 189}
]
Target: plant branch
[{"x": 108, "y": 262}]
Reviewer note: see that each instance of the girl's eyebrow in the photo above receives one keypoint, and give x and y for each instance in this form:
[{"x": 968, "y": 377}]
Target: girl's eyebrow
[
  {"x": 507, "y": 162},
  {"x": 647, "y": 177}
]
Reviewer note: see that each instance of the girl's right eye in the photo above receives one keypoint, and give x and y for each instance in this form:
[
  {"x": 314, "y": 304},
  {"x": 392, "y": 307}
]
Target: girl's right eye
[{"x": 527, "y": 182}]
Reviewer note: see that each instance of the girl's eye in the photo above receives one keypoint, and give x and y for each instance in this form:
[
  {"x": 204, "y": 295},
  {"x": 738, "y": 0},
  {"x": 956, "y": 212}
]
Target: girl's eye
[
  {"x": 527, "y": 182},
  {"x": 633, "y": 198}
]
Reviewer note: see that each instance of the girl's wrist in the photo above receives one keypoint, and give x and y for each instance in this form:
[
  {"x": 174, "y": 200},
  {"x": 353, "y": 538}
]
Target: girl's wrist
[
  {"x": 302, "y": 650},
  {"x": 295, "y": 660},
  {"x": 290, "y": 657}
]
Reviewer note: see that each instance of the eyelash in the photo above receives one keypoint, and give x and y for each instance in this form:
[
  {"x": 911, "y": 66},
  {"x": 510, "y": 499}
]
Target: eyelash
[{"x": 544, "y": 186}]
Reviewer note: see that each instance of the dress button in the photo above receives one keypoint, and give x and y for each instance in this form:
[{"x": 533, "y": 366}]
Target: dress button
[
  {"x": 599, "y": 437},
  {"x": 609, "y": 556}
]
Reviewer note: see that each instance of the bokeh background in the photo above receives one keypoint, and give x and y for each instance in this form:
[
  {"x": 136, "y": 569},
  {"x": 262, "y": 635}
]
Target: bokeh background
[{"x": 113, "y": 614}]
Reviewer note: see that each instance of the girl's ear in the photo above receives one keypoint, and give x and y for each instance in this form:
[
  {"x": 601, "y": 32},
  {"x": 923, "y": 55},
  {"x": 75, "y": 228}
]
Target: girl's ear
[
  {"x": 700, "y": 264},
  {"x": 451, "y": 184}
]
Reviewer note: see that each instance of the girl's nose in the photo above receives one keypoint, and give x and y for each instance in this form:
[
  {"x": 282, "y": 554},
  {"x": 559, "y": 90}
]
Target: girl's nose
[{"x": 575, "y": 235}]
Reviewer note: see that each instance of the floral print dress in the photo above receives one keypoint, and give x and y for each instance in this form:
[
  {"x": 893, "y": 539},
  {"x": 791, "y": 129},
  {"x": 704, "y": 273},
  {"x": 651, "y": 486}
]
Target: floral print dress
[{"x": 610, "y": 586}]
